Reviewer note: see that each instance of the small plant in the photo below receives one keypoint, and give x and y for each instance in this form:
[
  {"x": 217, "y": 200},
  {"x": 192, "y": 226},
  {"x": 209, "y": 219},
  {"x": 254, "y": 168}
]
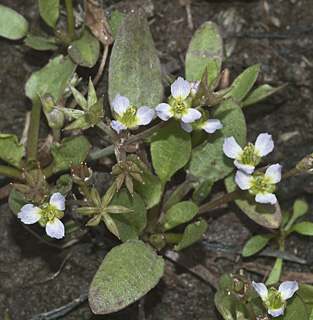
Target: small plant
[{"x": 191, "y": 134}]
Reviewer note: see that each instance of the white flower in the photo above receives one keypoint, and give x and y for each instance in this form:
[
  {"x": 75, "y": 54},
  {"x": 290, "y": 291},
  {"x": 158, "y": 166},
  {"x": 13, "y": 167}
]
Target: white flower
[
  {"x": 179, "y": 106},
  {"x": 261, "y": 184},
  {"x": 247, "y": 158},
  {"x": 129, "y": 117},
  {"x": 275, "y": 300},
  {"x": 47, "y": 215},
  {"x": 204, "y": 123}
]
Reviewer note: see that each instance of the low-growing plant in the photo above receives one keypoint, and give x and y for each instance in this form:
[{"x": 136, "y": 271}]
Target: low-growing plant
[{"x": 193, "y": 135}]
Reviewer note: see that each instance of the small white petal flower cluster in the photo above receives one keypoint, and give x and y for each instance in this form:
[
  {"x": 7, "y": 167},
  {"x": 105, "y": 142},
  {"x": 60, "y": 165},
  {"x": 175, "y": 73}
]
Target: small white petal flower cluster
[
  {"x": 48, "y": 215},
  {"x": 275, "y": 300},
  {"x": 261, "y": 185}
]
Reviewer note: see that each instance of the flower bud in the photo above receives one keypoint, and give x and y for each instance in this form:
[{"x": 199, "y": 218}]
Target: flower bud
[{"x": 306, "y": 164}]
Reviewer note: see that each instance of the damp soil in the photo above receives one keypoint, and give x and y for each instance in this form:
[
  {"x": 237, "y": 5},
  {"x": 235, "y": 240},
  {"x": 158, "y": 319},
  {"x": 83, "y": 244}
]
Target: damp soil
[{"x": 36, "y": 277}]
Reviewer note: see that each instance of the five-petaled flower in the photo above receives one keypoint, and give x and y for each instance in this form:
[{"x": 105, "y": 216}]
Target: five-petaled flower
[
  {"x": 247, "y": 158},
  {"x": 129, "y": 117},
  {"x": 208, "y": 125},
  {"x": 48, "y": 215},
  {"x": 178, "y": 105},
  {"x": 275, "y": 300},
  {"x": 261, "y": 185}
]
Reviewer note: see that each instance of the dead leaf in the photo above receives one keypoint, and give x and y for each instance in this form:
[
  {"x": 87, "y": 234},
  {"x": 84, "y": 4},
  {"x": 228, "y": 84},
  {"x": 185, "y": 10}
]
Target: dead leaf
[{"x": 97, "y": 22}]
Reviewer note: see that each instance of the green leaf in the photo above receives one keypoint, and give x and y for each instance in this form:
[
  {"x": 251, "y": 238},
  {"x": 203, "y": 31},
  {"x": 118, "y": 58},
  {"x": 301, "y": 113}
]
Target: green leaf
[
  {"x": 52, "y": 78},
  {"x": 11, "y": 151},
  {"x": 225, "y": 304},
  {"x": 205, "y": 51},
  {"x": 267, "y": 215},
  {"x": 40, "y": 43},
  {"x": 115, "y": 22},
  {"x": 12, "y": 25},
  {"x": 276, "y": 272},
  {"x": 244, "y": 82},
  {"x": 306, "y": 293},
  {"x": 134, "y": 61},
  {"x": 305, "y": 228},
  {"x": 151, "y": 190},
  {"x": 261, "y": 93},
  {"x": 170, "y": 150},
  {"x": 193, "y": 232},
  {"x": 49, "y": 11},
  {"x": 203, "y": 190},
  {"x": 85, "y": 51},
  {"x": 285, "y": 218},
  {"x": 178, "y": 214},
  {"x": 129, "y": 224},
  {"x": 295, "y": 309},
  {"x": 300, "y": 207},
  {"x": 208, "y": 162},
  {"x": 63, "y": 185},
  {"x": 256, "y": 244},
  {"x": 17, "y": 201},
  {"x": 70, "y": 151},
  {"x": 127, "y": 273}
]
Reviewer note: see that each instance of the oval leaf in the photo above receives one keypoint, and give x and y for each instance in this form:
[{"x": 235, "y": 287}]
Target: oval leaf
[
  {"x": 208, "y": 162},
  {"x": 85, "y": 51},
  {"x": 305, "y": 228},
  {"x": 266, "y": 215},
  {"x": 70, "y": 151},
  {"x": 40, "y": 43},
  {"x": 180, "y": 213},
  {"x": 126, "y": 274},
  {"x": 52, "y": 78},
  {"x": 11, "y": 151},
  {"x": 244, "y": 82},
  {"x": 12, "y": 25},
  {"x": 115, "y": 22},
  {"x": 151, "y": 190},
  {"x": 134, "y": 61},
  {"x": 295, "y": 309},
  {"x": 129, "y": 224},
  {"x": 306, "y": 293},
  {"x": 260, "y": 94},
  {"x": 170, "y": 150},
  {"x": 256, "y": 244},
  {"x": 193, "y": 232},
  {"x": 205, "y": 50},
  {"x": 49, "y": 11},
  {"x": 275, "y": 272},
  {"x": 17, "y": 201}
]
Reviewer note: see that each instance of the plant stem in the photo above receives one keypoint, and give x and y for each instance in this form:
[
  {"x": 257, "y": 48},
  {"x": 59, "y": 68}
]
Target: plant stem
[
  {"x": 102, "y": 64},
  {"x": 85, "y": 191},
  {"x": 101, "y": 153},
  {"x": 250, "y": 311},
  {"x": 147, "y": 132},
  {"x": 70, "y": 19},
  {"x": 106, "y": 129},
  {"x": 56, "y": 135},
  {"x": 290, "y": 173},
  {"x": 33, "y": 131},
  {"x": 10, "y": 172},
  {"x": 218, "y": 202}
]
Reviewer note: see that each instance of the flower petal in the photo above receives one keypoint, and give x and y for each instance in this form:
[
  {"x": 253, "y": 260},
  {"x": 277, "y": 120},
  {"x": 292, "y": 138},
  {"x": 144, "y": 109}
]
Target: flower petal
[
  {"x": 29, "y": 214},
  {"x": 274, "y": 172},
  {"x": 55, "y": 229},
  {"x": 117, "y": 126},
  {"x": 266, "y": 198},
  {"x": 191, "y": 115},
  {"x": 243, "y": 180},
  {"x": 211, "y": 125},
  {"x": 260, "y": 289},
  {"x": 120, "y": 104},
  {"x": 287, "y": 289},
  {"x": 144, "y": 115},
  {"x": 164, "y": 111},
  {"x": 244, "y": 167},
  {"x": 276, "y": 312},
  {"x": 180, "y": 89},
  {"x": 231, "y": 148},
  {"x": 58, "y": 200},
  {"x": 186, "y": 126},
  {"x": 264, "y": 144}
]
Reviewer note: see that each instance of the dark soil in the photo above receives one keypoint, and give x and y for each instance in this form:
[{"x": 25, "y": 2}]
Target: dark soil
[{"x": 276, "y": 33}]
